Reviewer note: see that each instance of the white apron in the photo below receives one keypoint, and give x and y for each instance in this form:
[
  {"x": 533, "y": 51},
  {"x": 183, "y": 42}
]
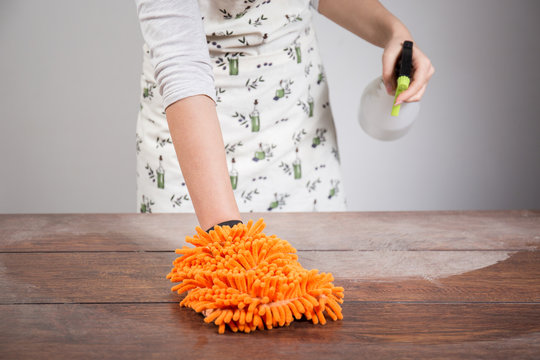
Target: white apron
[{"x": 273, "y": 108}]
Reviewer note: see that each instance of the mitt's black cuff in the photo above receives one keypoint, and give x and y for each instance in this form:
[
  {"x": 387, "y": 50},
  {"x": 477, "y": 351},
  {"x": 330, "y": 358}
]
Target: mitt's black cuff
[{"x": 230, "y": 223}]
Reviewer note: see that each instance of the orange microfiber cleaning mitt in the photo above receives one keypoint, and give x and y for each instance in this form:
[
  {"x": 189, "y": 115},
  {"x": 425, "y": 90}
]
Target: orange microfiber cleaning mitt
[{"x": 244, "y": 279}]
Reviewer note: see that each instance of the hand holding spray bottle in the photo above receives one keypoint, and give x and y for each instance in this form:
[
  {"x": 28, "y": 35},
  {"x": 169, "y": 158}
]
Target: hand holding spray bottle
[{"x": 378, "y": 116}]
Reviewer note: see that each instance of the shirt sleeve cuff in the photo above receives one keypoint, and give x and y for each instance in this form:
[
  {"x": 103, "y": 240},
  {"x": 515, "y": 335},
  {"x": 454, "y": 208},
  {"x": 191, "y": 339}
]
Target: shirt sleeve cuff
[{"x": 175, "y": 94}]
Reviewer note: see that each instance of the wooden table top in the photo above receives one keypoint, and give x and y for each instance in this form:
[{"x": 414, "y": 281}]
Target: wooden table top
[{"x": 427, "y": 284}]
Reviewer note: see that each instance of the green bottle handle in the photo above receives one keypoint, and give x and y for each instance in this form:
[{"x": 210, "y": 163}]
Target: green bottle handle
[{"x": 402, "y": 85}]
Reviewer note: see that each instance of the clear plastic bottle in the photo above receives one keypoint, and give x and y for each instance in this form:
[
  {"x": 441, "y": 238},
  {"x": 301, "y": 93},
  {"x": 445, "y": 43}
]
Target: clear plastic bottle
[
  {"x": 377, "y": 114},
  {"x": 375, "y": 110}
]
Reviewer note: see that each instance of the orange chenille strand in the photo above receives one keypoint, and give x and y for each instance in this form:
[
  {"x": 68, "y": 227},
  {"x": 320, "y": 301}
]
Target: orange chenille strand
[{"x": 241, "y": 278}]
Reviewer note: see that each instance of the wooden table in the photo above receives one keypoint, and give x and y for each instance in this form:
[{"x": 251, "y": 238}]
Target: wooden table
[{"x": 445, "y": 284}]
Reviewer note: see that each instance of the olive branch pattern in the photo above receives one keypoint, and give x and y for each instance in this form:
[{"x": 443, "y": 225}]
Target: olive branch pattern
[
  {"x": 221, "y": 33},
  {"x": 304, "y": 106},
  {"x": 248, "y": 195},
  {"x": 241, "y": 119},
  {"x": 290, "y": 52},
  {"x": 227, "y": 15},
  {"x": 285, "y": 167},
  {"x": 307, "y": 68},
  {"x": 151, "y": 174},
  {"x": 252, "y": 84},
  {"x": 231, "y": 148},
  {"x": 281, "y": 120},
  {"x": 335, "y": 152},
  {"x": 292, "y": 18},
  {"x": 162, "y": 142},
  {"x": 322, "y": 166},
  {"x": 219, "y": 91},
  {"x": 297, "y": 136},
  {"x": 258, "y": 21},
  {"x": 220, "y": 60},
  {"x": 244, "y": 41},
  {"x": 177, "y": 200},
  {"x": 312, "y": 185}
]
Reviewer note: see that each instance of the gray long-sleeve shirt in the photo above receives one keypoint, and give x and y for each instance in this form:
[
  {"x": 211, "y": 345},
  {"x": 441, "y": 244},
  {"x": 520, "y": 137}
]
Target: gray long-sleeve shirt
[{"x": 173, "y": 31}]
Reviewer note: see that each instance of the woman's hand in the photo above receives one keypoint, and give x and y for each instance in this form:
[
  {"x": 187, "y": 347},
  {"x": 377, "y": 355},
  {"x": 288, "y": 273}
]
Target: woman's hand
[
  {"x": 370, "y": 20},
  {"x": 422, "y": 70}
]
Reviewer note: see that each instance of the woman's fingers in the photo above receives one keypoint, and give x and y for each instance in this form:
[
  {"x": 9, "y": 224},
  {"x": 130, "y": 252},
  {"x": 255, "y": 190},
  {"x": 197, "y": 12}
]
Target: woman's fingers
[
  {"x": 418, "y": 95},
  {"x": 423, "y": 71}
]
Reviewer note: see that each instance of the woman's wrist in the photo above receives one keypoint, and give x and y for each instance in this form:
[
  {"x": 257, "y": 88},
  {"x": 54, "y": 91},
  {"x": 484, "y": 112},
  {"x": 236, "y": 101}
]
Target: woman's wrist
[
  {"x": 368, "y": 19},
  {"x": 208, "y": 219},
  {"x": 397, "y": 33},
  {"x": 230, "y": 223},
  {"x": 198, "y": 142}
]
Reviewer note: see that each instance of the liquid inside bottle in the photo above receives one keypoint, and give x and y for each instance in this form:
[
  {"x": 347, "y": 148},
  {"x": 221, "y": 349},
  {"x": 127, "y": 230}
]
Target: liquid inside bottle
[
  {"x": 297, "y": 166},
  {"x": 255, "y": 118},
  {"x": 160, "y": 174},
  {"x": 310, "y": 102},
  {"x": 279, "y": 94},
  {"x": 233, "y": 174},
  {"x": 260, "y": 153},
  {"x": 298, "y": 53},
  {"x": 233, "y": 66},
  {"x": 274, "y": 204},
  {"x": 143, "y": 205}
]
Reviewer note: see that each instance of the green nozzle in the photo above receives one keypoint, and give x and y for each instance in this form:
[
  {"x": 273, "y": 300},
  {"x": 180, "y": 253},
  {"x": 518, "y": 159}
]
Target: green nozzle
[{"x": 402, "y": 85}]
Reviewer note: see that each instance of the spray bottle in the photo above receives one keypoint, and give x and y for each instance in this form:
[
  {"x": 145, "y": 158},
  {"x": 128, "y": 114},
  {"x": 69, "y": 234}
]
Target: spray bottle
[{"x": 378, "y": 116}]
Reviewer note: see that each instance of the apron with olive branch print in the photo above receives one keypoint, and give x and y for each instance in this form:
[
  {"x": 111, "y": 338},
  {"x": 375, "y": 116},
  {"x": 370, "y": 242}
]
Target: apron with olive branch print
[{"x": 273, "y": 107}]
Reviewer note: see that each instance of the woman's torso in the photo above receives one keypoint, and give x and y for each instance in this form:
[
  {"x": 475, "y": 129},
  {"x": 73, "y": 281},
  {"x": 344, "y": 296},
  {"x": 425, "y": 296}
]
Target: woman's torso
[{"x": 273, "y": 106}]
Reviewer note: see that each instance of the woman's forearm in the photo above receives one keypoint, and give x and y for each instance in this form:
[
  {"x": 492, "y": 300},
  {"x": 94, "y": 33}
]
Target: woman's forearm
[
  {"x": 368, "y": 19},
  {"x": 198, "y": 142}
]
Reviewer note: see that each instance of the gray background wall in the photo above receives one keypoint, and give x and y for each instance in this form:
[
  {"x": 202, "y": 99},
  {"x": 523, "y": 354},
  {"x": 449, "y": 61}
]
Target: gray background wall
[{"x": 70, "y": 95}]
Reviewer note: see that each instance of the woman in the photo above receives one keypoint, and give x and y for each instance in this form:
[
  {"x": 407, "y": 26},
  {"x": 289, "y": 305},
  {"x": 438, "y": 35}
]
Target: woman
[{"x": 235, "y": 112}]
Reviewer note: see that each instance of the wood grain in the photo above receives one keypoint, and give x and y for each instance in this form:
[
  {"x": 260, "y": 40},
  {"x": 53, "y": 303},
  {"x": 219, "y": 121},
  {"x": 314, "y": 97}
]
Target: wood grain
[
  {"x": 408, "y": 230},
  {"x": 369, "y": 330},
  {"x": 140, "y": 277},
  {"x": 418, "y": 285}
]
